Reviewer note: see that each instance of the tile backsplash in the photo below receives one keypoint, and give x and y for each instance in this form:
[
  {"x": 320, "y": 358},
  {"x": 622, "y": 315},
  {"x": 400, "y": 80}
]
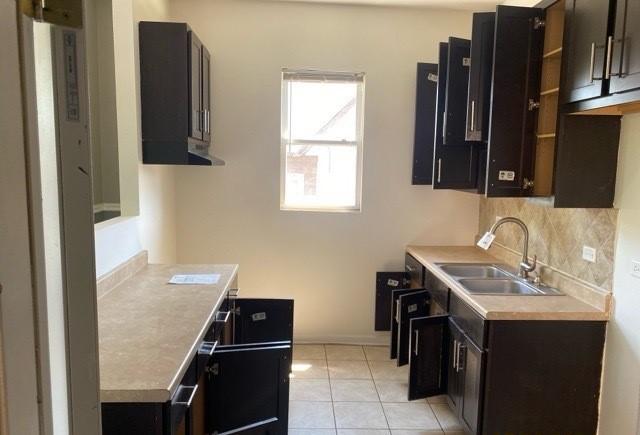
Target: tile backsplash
[{"x": 557, "y": 235}]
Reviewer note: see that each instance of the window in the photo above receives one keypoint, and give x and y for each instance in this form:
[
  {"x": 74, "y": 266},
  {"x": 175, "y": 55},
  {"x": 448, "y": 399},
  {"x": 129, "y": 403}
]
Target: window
[{"x": 321, "y": 146}]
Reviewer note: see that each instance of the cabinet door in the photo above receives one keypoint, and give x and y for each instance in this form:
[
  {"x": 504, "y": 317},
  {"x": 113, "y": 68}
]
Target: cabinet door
[
  {"x": 426, "y": 94},
  {"x": 471, "y": 366},
  {"x": 625, "y": 60},
  {"x": 479, "y": 96},
  {"x": 262, "y": 320},
  {"x": 454, "y": 378},
  {"x": 455, "y": 165},
  {"x": 411, "y": 305},
  {"x": 395, "y": 318},
  {"x": 386, "y": 282},
  {"x": 206, "y": 95},
  {"x": 429, "y": 362},
  {"x": 248, "y": 389},
  {"x": 195, "y": 87},
  {"x": 585, "y": 49},
  {"x": 458, "y": 61},
  {"x": 517, "y": 61}
]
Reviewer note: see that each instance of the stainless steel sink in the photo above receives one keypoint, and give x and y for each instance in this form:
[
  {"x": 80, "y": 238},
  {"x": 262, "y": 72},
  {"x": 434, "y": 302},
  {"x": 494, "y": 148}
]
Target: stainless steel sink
[
  {"x": 506, "y": 286},
  {"x": 474, "y": 270},
  {"x": 494, "y": 279}
]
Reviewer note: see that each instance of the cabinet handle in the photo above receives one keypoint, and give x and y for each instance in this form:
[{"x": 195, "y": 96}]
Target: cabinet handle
[
  {"x": 444, "y": 127},
  {"x": 592, "y": 63},
  {"x": 455, "y": 355},
  {"x": 416, "y": 334},
  {"x": 607, "y": 74},
  {"x": 397, "y": 311},
  {"x": 187, "y": 403},
  {"x": 207, "y": 348},
  {"x": 439, "y": 169},
  {"x": 473, "y": 115},
  {"x": 460, "y": 359},
  {"x": 409, "y": 268},
  {"x": 233, "y": 293}
]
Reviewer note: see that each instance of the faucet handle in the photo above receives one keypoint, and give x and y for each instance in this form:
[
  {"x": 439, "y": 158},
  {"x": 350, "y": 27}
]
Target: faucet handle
[{"x": 529, "y": 267}]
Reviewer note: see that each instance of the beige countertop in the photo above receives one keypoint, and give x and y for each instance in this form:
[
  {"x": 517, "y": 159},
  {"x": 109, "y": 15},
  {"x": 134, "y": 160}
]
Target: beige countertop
[
  {"x": 149, "y": 330},
  {"x": 500, "y": 307}
]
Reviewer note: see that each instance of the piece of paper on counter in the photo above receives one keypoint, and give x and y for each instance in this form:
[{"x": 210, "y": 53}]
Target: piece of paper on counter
[{"x": 203, "y": 278}]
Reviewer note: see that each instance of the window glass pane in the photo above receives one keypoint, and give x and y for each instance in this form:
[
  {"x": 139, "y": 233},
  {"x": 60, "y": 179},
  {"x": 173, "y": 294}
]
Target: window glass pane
[
  {"x": 323, "y": 111},
  {"x": 321, "y": 176}
]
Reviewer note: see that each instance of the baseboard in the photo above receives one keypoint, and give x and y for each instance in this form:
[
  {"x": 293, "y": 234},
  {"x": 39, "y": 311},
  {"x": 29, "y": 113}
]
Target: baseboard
[{"x": 377, "y": 339}]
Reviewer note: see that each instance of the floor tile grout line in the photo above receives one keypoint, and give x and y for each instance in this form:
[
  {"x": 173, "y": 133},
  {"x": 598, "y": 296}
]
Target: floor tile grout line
[
  {"x": 375, "y": 385},
  {"x": 333, "y": 407}
]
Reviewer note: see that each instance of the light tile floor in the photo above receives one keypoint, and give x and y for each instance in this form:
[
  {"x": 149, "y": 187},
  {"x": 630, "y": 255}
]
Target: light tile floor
[{"x": 358, "y": 390}]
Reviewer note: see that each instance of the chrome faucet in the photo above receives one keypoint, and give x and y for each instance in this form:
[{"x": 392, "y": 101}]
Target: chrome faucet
[{"x": 525, "y": 266}]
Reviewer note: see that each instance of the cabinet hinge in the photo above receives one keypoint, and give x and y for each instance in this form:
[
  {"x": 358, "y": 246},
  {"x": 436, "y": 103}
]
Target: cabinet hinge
[
  {"x": 432, "y": 77},
  {"x": 61, "y": 12},
  {"x": 527, "y": 184},
  {"x": 539, "y": 23},
  {"x": 533, "y": 105},
  {"x": 213, "y": 369},
  {"x": 466, "y": 61}
]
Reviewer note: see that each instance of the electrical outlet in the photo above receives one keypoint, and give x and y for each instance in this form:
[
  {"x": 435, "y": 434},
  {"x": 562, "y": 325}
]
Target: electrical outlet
[
  {"x": 635, "y": 269},
  {"x": 589, "y": 254}
]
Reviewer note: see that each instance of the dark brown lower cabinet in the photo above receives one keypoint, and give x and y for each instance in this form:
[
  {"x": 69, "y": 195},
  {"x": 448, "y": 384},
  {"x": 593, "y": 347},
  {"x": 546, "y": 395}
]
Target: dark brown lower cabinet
[
  {"x": 509, "y": 377},
  {"x": 238, "y": 382}
]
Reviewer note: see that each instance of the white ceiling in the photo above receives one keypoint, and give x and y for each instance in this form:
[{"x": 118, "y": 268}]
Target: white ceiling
[{"x": 469, "y": 5}]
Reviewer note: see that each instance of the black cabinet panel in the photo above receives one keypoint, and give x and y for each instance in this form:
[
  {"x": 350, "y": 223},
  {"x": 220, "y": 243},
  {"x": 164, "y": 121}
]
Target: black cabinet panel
[
  {"x": 529, "y": 364},
  {"x": 395, "y": 319},
  {"x": 386, "y": 282},
  {"x": 458, "y": 60},
  {"x": 455, "y": 164},
  {"x": 586, "y": 161},
  {"x": 248, "y": 389},
  {"x": 426, "y": 96},
  {"x": 585, "y": 49},
  {"x": 479, "y": 97},
  {"x": 625, "y": 57},
  {"x": 262, "y": 320},
  {"x": 516, "y": 83},
  {"x": 411, "y": 305},
  {"x": 471, "y": 364},
  {"x": 454, "y": 379},
  {"x": 428, "y": 365}
]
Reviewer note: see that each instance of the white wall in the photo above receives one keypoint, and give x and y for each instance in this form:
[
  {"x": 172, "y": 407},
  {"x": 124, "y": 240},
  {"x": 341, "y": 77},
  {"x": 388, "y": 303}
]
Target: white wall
[
  {"x": 621, "y": 386},
  {"x": 147, "y": 191},
  {"x": 326, "y": 261}
]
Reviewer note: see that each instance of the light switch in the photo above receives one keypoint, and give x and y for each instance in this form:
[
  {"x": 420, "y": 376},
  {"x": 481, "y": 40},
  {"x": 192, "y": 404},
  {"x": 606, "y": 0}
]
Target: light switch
[
  {"x": 635, "y": 269},
  {"x": 589, "y": 254}
]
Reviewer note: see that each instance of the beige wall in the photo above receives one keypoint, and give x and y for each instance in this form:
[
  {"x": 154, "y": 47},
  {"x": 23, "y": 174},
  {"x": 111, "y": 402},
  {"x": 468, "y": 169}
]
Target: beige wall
[
  {"x": 325, "y": 261},
  {"x": 621, "y": 387},
  {"x": 146, "y": 191}
]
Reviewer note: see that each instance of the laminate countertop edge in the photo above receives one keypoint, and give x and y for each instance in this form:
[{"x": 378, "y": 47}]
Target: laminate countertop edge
[
  {"x": 502, "y": 307},
  {"x": 160, "y": 391}
]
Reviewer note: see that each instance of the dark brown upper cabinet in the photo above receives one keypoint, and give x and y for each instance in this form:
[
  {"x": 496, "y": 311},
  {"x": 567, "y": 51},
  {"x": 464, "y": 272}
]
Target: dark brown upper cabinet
[
  {"x": 456, "y": 163},
  {"x": 517, "y": 56},
  {"x": 586, "y": 49},
  {"x": 426, "y": 95},
  {"x": 457, "y": 78},
  {"x": 625, "y": 47},
  {"x": 175, "y": 79},
  {"x": 479, "y": 96}
]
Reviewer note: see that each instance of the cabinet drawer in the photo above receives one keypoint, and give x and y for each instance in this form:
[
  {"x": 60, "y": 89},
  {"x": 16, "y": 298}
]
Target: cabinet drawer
[
  {"x": 472, "y": 323},
  {"x": 415, "y": 270}
]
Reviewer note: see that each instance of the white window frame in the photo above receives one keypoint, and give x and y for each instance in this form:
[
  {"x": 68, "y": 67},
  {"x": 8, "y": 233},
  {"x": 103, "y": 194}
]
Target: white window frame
[{"x": 288, "y": 76}]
